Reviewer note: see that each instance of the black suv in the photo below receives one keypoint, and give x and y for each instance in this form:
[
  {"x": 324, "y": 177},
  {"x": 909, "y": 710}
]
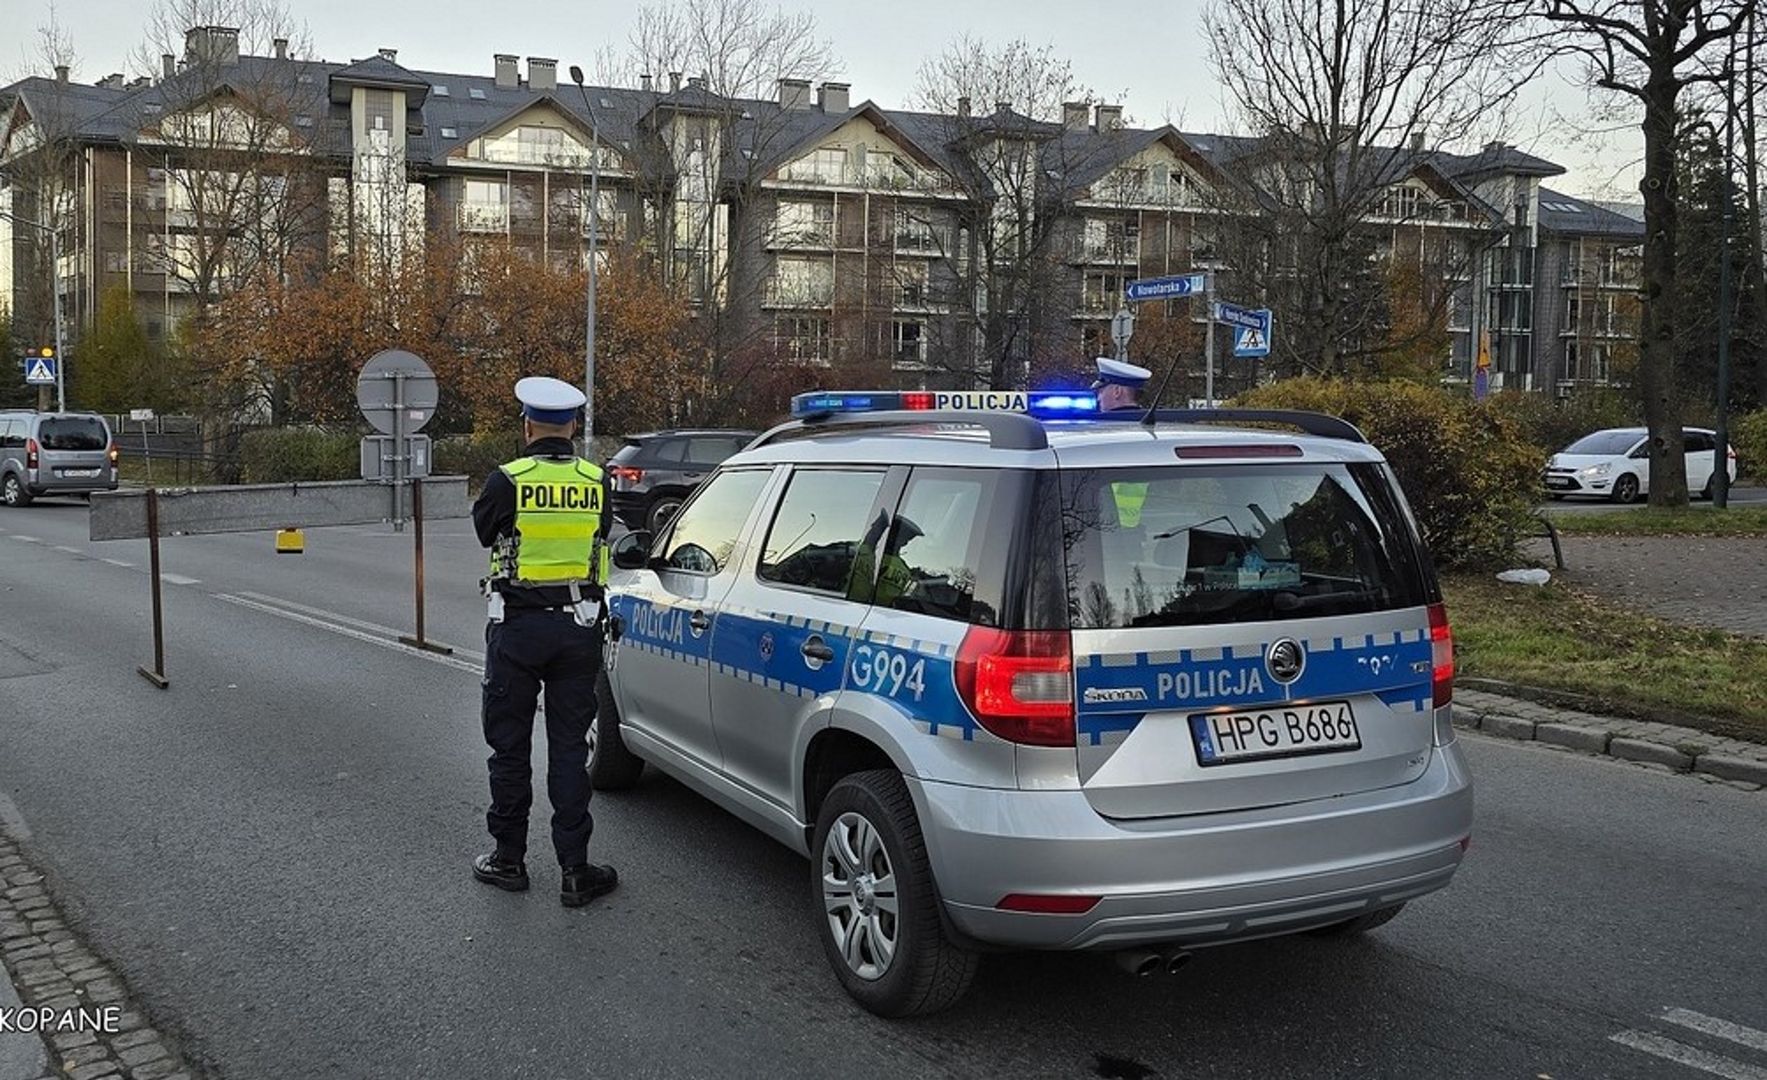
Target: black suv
[{"x": 654, "y": 472}]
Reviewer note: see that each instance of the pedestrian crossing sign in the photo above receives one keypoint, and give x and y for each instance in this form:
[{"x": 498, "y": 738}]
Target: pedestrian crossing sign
[
  {"x": 40, "y": 371},
  {"x": 1250, "y": 341}
]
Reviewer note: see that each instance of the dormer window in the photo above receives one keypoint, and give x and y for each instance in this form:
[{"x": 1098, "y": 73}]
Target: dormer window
[
  {"x": 450, "y": 133},
  {"x": 439, "y": 89},
  {"x": 476, "y": 93}
]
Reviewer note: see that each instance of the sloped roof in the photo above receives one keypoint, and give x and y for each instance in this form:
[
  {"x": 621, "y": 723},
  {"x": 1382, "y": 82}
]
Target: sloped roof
[
  {"x": 1567, "y": 215},
  {"x": 375, "y": 71}
]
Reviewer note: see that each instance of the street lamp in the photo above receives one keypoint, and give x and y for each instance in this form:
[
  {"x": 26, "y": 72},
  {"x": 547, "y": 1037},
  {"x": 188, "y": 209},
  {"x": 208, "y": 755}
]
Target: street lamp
[
  {"x": 55, "y": 294},
  {"x": 594, "y": 236}
]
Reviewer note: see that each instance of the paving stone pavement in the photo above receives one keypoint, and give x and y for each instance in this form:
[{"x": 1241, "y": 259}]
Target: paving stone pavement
[
  {"x": 1718, "y": 582},
  {"x": 103, "y": 1035},
  {"x": 1666, "y": 746}
]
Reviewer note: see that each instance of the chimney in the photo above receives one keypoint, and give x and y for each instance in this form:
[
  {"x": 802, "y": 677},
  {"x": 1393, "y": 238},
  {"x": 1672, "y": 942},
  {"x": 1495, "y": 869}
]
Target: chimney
[
  {"x": 168, "y": 65},
  {"x": 507, "y": 79},
  {"x": 61, "y": 72},
  {"x": 1110, "y": 118},
  {"x": 674, "y": 82},
  {"x": 1002, "y": 107},
  {"x": 644, "y": 82},
  {"x": 113, "y": 81},
  {"x": 696, "y": 82},
  {"x": 1495, "y": 149},
  {"x": 1417, "y": 142},
  {"x": 213, "y": 45},
  {"x": 1075, "y": 115},
  {"x": 834, "y": 97},
  {"x": 391, "y": 56},
  {"x": 281, "y": 46},
  {"x": 794, "y": 93},
  {"x": 963, "y": 108},
  {"x": 542, "y": 73}
]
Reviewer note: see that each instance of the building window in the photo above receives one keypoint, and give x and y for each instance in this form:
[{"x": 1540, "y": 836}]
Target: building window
[
  {"x": 803, "y": 282},
  {"x": 476, "y": 93},
  {"x": 484, "y": 206},
  {"x": 914, "y": 232},
  {"x": 450, "y": 133},
  {"x": 908, "y": 343},
  {"x": 116, "y": 262},
  {"x": 303, "y": 120},
  {"x": 1402, "y": 203},
  {"x": 827, "y": 165},
  {"x": 439, "y": 89},
  {"x": 1113, "y": 240},
  {"x": 1103, "y": 291},
  {"x": 803, "y": 224},
  {"x": 911, "y": 284},
  {"x": 804, "y": 338}
]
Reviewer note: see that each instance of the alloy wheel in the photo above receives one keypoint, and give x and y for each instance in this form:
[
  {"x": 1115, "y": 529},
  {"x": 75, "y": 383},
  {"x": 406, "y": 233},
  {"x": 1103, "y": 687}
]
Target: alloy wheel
[{"x": 859, "y": 895}]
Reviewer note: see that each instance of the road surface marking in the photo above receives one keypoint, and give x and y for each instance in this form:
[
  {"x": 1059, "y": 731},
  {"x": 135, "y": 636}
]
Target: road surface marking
[
  {"x": 178, "y": 579},
  {"x": 26, "y": 539},
  {"x": 332, "y": 616},
  {"x": 69, "y": 550},
  {"x": 1722, "y": 1029},
  {"x": 119, "y": 562},
  {"x": 1691, "y": 1056},
  {"x": 361, "y": 635}
]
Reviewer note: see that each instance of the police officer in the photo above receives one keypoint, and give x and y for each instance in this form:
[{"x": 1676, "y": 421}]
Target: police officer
[
  {"x": 543, "y": 518},
  {"x": 1119, "y": 387}
]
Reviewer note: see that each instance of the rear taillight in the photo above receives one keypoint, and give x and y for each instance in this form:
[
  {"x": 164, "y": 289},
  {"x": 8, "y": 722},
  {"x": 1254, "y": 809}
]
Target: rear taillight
[
  {"x": 627, "y": 474},
  {"x": 1441, "y": 656},
  {"x": 30, "y": 453},
  {"x": 1019, "y": 684},
  {"x": 1048, "y": 903},
  {"x": 114, "y": 454}
]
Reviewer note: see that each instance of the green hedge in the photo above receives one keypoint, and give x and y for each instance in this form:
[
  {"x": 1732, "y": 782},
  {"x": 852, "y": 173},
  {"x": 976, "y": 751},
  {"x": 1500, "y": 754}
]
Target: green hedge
[
  {"x": 281, "y": 455},
  {"x": 1748, "y": 434},
  {"x": 1553, "y": 423},
  {"x": 1470, "y": 472},
  {"x": 474, "y": 456}
]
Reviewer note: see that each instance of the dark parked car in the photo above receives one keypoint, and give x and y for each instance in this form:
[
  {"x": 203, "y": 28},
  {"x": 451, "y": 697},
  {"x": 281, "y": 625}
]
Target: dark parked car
[{"x": 653, "y": 472}]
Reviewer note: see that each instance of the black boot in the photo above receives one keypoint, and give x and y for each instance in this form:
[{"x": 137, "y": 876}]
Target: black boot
[
  {"x": 494, "y": 869},
  {"x": 584, "y": 883}
]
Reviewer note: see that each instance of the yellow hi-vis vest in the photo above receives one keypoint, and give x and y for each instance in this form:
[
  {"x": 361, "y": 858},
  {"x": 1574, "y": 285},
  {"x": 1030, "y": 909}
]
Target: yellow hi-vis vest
[
  {"x": 557, "y": 537},
  {"x": 1129, "y": 496}
]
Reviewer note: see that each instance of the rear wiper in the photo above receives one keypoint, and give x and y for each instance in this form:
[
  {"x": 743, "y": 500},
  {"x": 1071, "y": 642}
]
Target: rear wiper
[{"x": 1289, "y": 601}]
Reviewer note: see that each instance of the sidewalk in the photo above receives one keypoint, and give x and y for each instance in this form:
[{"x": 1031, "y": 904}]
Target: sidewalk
[
  {"x": 1678, "y": 749},
  {"x": 100, "y": 1035},
  {"x": 1718, "y": 583}
]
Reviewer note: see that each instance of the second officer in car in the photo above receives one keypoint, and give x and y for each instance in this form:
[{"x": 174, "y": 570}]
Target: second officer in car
[{"x": 543, "y": 517}]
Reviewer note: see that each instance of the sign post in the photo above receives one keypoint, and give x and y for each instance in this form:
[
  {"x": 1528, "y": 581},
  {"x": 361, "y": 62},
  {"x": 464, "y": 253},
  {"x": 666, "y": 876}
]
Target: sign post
[
  {"x": 1482, "y": 367},
  {"x": 398, "y": 395}
]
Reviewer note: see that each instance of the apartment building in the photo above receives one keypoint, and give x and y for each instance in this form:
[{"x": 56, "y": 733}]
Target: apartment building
[{"x": 932, "y": 249}]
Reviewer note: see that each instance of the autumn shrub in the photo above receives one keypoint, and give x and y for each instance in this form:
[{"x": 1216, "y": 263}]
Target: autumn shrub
[
  {"x": 474, "y": 456},
  {"x": 1748, "y": 436},
  {"x": 1468, "y": 469},
  {"x": 280, "y": 455},
  {"x": 1553, "y": 423}
]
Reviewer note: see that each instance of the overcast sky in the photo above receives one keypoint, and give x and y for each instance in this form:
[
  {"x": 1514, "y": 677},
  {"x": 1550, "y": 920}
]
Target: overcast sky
[{"x": 1150, "y": 54}]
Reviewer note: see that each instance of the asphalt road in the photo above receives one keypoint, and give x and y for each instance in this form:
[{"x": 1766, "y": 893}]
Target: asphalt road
[
  {"x": 1743, "y": 495},
  {"x": 274, "y": 853}
]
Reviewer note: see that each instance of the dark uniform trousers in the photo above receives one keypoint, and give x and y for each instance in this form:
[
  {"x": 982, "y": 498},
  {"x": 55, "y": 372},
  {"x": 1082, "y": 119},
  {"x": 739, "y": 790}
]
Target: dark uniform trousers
[{"x": 526, "y": 650}]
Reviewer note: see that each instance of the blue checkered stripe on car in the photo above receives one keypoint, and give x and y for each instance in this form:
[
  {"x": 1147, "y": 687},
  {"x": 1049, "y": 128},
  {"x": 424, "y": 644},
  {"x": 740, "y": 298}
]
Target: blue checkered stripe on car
[{"x": 1125, "y": 687}]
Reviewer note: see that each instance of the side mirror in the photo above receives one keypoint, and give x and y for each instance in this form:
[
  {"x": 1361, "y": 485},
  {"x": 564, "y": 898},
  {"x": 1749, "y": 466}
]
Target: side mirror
[{"x": 631, "y": 551}]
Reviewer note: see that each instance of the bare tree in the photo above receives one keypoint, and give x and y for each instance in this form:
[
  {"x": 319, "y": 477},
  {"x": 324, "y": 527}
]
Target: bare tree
[
  {"x": 1651, "y": 50},
  {"x": 1002, "y": 109},
  {"x": 1344, "y": 104}
]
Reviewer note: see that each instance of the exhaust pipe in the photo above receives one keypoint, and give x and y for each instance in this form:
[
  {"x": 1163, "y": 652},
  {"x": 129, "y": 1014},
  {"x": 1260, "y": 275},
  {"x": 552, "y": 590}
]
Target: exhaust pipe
[
  {"x": 1141, "y": 962},
  {"x": 1176, "y": 959}
]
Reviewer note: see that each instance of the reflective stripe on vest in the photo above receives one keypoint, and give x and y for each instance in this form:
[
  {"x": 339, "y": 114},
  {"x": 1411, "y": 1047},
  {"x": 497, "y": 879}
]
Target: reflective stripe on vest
[{"x": 557, "y": 524}]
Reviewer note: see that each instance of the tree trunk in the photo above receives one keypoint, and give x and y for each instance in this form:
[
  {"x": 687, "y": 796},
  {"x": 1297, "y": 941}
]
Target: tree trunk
[{"x": 1656, "y": 352}]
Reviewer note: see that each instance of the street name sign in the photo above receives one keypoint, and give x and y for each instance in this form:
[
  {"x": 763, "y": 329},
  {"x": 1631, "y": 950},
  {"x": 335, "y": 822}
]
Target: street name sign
[
  {"x": 1166, "y": 288},
  {"x": 1246, "y": 318}
]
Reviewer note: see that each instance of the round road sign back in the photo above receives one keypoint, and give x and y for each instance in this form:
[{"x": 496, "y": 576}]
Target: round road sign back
[{"x": 381, "y": 393}]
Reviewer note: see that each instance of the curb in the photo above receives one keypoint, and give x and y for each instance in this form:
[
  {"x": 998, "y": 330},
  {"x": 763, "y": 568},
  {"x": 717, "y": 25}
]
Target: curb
[{"x": 1677, "y": 749}]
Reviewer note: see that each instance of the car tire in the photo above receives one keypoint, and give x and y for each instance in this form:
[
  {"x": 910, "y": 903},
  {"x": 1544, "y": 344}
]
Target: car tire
[
  {"x": 867, "y": 824},
  {"x": 1625, "y": 489},
  {"x": 1361, "y": 924},
  {"x": 13, "y": 491},
  {"x": 612, "y": 767},
  {"x": 661, "y": 510}
]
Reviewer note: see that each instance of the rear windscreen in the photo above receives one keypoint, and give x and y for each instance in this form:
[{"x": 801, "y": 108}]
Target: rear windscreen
[
  {"x": 72, "y": 433},
  {"x": 1179, "y": 545}
]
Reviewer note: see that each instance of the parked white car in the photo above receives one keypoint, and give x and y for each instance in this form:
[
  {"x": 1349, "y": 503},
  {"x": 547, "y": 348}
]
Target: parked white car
[{"x": 1614, "y": 464}]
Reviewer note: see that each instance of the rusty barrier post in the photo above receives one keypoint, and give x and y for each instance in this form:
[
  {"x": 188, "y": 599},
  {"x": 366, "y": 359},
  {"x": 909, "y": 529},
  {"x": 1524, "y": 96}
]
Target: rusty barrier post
[
  {"x": 419, "y": 641},
  {"x": 157, "y": 674}
]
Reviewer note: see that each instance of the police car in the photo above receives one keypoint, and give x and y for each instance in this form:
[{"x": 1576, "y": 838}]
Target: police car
[{"x": 1015, "y": 674}]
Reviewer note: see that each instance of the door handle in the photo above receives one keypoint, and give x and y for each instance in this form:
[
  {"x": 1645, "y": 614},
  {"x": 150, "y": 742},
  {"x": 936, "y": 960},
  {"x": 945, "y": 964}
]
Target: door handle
[
  {"x": 699, "y": 623},
  {"x": 817, "y": 650}
]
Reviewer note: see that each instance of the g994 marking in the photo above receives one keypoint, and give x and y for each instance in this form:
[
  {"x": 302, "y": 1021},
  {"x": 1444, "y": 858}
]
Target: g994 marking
[{"x": 887, "y": 672}]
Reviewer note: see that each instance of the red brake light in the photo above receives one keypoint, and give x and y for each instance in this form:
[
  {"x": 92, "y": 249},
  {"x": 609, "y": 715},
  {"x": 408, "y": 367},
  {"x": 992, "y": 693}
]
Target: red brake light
[
  {"x": 114, "y": 453},
  {"x": 1243, "y": 450},
  {"x": 30, "y": 453},
  {"x": 627, "y": 473},
  {"x": 1044, "y": 904},
  {"x": 1019, "y": 684},
  {"x": 917, "y": 399},
  {"x": 1441, "y": 656}
]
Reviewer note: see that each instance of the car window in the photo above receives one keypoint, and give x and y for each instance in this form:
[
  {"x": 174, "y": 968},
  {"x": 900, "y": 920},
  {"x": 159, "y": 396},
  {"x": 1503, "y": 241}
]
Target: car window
[
  {"x": 666, "y": 450},
  {"x": 704, "y": 533},
  {"x": 819, "y": 529},
  {"x": 1698, "y": 442},
  {"x": 73, "y": 433},
  {"x": 1604, "y": 443},
  {"x": 932, "y": 565},
  {"x": 711, "y": 450},
  {"x": 8, "y": 430}
]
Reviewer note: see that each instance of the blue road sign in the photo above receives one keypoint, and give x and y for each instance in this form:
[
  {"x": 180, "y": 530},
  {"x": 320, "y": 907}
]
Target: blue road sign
[
  {"x": 1246, "y": 318},
  {"x": 1166, "y": 288},
  {"x": 40, "y": 370},
  {"x": 1249, "y": 341}
]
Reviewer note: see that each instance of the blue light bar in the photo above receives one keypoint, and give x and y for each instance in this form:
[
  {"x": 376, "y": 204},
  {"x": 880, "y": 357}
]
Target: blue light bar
[{"x": 1043, "y": 403}]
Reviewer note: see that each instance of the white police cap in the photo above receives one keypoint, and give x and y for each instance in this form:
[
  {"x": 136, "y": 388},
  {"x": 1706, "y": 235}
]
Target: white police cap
[
  {"x": 548, "y": 400},
  {"x": 1116, "y": 372}
]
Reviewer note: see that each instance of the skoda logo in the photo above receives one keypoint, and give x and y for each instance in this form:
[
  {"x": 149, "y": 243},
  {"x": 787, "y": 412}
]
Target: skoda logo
[{"x": 1285, "y": 659}]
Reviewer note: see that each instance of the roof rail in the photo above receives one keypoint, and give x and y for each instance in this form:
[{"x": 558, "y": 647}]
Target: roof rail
[
  {"x": 1320, "y": 424},
  {"x": 1006, "y": 430}
]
